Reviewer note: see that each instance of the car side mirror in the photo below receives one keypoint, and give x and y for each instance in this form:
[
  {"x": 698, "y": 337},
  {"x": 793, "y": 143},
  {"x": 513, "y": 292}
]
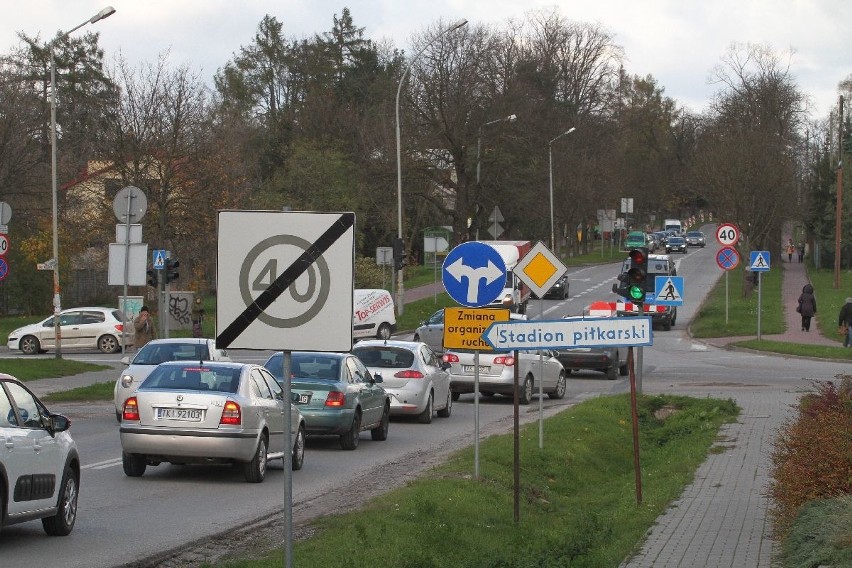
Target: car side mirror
[
  {"x": 125, "y": 360},
  {"x": 57, "y": 423},
  {"x": 294, "y": 397},
  {"x": 377, "y": 378},
  {"x": 445, "y": 366}
]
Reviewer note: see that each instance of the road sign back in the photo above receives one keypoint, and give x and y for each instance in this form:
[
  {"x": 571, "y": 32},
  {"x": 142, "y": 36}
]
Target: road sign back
[{"x": 284, "y": 280}]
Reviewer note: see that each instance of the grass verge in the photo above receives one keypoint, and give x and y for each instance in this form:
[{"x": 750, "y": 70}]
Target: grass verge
[
  {"x": 800, "y": 350},
  {"x": 577, "y": 497},
  {"x": 94, "y": 392},
  {"x": 33, "y": 369}
]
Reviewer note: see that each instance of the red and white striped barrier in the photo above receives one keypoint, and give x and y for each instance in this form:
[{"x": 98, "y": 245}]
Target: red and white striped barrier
[{"x": 610, "y": 309}]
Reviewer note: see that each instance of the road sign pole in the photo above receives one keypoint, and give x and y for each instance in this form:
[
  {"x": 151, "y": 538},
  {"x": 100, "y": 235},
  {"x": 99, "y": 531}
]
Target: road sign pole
[
  {"x": 634, "y": 419},
  {"x": 759, "y": 303},
  {"x": 541, "y": 384},
  {"x": 476, "y": 414},
  {"x": 726, "y": 297}
]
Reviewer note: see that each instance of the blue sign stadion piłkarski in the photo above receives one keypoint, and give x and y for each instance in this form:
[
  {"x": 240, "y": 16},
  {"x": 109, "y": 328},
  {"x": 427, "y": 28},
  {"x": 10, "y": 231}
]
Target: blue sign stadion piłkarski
[
  {"x": 474, "y": 274},
  {"x": 568, "y": 334}
]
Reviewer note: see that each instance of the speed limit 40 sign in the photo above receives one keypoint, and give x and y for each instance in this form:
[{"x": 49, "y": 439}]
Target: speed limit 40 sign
[
  {"x": 727, "y": 234},
  {"x": 4, "y": 244}
]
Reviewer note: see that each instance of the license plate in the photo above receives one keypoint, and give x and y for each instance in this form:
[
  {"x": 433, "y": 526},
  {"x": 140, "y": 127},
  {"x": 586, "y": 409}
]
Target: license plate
[
  {"x": 185, "y": 414},
  {"x": 304, "y": 399},
  {"x": 470, "y": 368}
]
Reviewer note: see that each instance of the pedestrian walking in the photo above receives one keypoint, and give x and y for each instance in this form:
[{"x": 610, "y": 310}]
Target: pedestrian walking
[
  {"x": 144, "y": 328},
  {"x": 801, "y": 250},
  {"x": 790, "y": 250},
  {"x": 844, "y": 321},
  {"x": 197, "y": 317},
  {"x": 807, "y": 306}
]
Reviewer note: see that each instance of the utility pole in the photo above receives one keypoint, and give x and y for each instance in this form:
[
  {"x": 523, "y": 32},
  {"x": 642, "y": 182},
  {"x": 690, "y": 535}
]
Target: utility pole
[{"x": 838, "y": 221}]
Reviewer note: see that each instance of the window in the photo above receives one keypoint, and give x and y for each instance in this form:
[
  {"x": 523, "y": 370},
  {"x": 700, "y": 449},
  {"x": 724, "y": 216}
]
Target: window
[
  {"x": 30, "y": 410},
  {"x": 7, "y": 413},
  {"x": 276, "y": 389},
  {"x": 70, "y": 318},
  {"x": 258, "y": 386},
  {"x": 92, "y": 317}
]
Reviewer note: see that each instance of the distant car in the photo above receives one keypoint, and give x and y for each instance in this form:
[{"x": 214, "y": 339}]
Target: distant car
[
  {"x": 612, "y": 361},
  {"x": 412, "y": 374},
  {"x": 431, "y": 331},
  {"x": 653, "y": 243},
  {"x": 695, "y": 239},
  {"x": 559, "y": 289},
  {"x": 661, "y": 237},
  {"x": 159, "y": 351},
  {"x": 658, "y": 265},
  {"x": 95, "y": 328},
  {"x": 206, "y": 412},
  {"x": 635, "y": 239},
  {"x": 337, "y": 395},
  {"x": 497, "y": 373},
  {"x": 676, "y": 244},
  {"x": 39, "y": 464}
]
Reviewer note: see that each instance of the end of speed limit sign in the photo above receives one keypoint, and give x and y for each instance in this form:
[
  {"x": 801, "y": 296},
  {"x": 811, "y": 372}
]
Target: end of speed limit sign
[
  {"x": 4, "y": 244},
  {"x": 727, "y": 234}
]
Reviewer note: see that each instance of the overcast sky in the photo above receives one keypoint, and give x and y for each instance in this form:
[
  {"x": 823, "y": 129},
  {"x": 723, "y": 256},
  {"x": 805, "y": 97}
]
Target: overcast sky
[{"x": 679, "y": 42}]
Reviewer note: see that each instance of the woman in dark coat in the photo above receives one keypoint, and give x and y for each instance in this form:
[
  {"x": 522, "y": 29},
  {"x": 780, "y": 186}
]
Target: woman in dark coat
[{"x": 807, "y": 306}]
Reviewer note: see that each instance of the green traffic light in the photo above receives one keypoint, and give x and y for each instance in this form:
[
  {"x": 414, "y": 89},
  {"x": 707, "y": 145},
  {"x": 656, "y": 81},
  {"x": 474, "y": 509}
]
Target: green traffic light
[{"x": 636, "y": 293}]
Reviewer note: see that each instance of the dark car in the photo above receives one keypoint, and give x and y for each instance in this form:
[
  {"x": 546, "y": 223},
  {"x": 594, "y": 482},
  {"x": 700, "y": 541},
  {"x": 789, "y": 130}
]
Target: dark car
[
  {"x": 695, "y": 239},
  {"x": 559, "y": 289},
  {"x": 676, "y": 244},
  {"x": 612, "y": 361}
]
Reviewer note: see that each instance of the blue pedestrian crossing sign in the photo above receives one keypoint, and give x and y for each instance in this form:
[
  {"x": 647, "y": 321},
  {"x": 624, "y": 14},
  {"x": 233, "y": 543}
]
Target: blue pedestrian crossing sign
[
  {"x": 474, "y": 274},
  {"x": 159, "y": 259},
  {"x": 668, "y": 291},
  {"x": 759, "y": 261}
]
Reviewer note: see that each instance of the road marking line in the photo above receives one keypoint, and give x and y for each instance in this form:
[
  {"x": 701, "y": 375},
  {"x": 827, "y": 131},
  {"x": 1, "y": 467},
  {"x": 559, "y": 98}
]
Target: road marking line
[{"x": 103, "y": 464}]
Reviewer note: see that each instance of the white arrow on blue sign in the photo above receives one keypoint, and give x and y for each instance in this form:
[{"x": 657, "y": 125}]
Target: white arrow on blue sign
[
  {"x": 474, "y": 274},
  {"x": 569, "y": 334}
]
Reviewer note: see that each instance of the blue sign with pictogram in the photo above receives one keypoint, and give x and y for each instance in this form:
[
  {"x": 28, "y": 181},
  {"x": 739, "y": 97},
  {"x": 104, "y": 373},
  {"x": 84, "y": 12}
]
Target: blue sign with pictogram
[
  {"x": 474, "y": 274},
  {"x": 759, "y": 261},
  {"x": 668, "y": 291},
  {"x": 159, "y": 259}
]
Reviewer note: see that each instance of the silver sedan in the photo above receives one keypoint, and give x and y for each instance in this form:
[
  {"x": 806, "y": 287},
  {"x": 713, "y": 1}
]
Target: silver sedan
[
  {"x": 497, "y": 373},
  {"x": 209, "y": 412},
  {"x": 412, "y": 374}
]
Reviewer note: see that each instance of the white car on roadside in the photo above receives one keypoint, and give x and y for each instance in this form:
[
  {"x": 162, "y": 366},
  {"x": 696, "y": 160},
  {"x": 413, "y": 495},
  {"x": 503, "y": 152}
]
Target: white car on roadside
[
  {"x": 156, "y": 352},
  {"x": 91, "y": 328}
]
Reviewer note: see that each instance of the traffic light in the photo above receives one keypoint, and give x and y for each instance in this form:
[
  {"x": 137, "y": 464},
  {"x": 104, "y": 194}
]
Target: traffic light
[
  {"x": 398, "y": 253},
  {"x": 152, "y": 278},
  {"x": 171, "y": 272},
  {"x": 632, "y": 285}
]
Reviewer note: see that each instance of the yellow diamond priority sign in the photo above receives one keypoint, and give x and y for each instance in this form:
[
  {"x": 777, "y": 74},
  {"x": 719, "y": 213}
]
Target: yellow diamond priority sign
[{"x": 540, "y": 269}]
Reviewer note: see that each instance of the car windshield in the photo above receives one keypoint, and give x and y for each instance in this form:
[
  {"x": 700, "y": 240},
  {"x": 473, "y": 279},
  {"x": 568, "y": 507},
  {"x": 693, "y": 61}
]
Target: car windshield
[
  {"x": 676, "y": 240},
  {"x": 386, "y": 357},
  {"x": 155, "y": 353},
  {"x": 695, "y": 234},
  {"x": 196, "y": 377}
]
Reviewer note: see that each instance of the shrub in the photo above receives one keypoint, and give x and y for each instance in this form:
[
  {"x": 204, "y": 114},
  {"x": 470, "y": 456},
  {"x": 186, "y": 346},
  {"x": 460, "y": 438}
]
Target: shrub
[{"x": 812, "y": 455}]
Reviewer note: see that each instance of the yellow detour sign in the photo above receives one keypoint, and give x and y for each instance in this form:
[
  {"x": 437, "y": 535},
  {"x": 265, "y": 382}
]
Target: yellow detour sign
[{"x": 463, "y": 327}]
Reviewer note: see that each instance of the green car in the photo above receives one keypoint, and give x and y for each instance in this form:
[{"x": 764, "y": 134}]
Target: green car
[
  {"x": 337, "y": 395},
  {"x": 635, "y": 239}
]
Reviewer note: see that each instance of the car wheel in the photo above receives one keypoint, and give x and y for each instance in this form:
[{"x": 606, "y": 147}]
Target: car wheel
[
  {"x": 447, "y": 410},
  {"x": 455, "y": 396},
  {"x": 349, "y": 440},
  {"x": 623, "y": 370},
  {"x": 425, "y": 417},
  {"x": 487, "y": 394},
  {"x": 667, "y": 324},
  {"x": 108, "y": 344},
  {"x": 612, "y": 371},
  {"x": 559, "y": 393},
  {"x": 29, "y": 345},
  {"x": 299, "y": 449},
  {"x": 380, "y": 432},
  {"x": 134, "y": 464},
  {"x": 565, "y": 291},
  {"x": 526, "y": 393},
  {"x": 255, "y": 470},
  {"x": 384, "y": 331},
  {"x": 63, "y": 521}
]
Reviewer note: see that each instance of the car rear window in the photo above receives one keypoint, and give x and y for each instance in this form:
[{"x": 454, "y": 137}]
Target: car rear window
[
  {"x": 155, "y": 353},
  {"x": 386, "y": 357},
  {"x": 197, "y": 378}
]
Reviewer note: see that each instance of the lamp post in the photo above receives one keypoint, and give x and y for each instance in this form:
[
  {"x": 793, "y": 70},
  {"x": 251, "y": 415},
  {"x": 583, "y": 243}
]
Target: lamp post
[
  {"x": 57, "y": 303},
  {"x": 510, "y": 118},
  {"x": 399, "y": 273},
  {"x": 550, "y": 162}
]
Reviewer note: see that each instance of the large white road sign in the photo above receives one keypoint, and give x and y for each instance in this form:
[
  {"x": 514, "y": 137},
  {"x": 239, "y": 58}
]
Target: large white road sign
[
  {"x": 284, "y": 280},
  {"x": 568, "y": 334}
]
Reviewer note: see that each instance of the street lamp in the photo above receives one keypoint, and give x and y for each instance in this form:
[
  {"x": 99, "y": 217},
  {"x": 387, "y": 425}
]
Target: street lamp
[
  {"x": 399, "y": 274},
  {"x": 57, "y": 303},
  {"x": 550, "y": 162},
  {"x": 510, "y": 118}
]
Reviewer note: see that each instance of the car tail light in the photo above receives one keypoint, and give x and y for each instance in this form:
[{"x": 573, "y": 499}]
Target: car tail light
[
  {"x": 505, "y": 360},
  {"x": 450, "y": 358},
  {"x": 231, "y": 414},
  {"x": 131, "y": 409},
  {"x": 119, "y": 327},
  {"x": 335, "y": 398},
  {"x": 409, "y": 374}
]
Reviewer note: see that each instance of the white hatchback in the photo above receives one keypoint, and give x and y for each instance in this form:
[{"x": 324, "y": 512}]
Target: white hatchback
[
  {"x": 38, "y": 462},
  {"x": 101, "y": 328}
]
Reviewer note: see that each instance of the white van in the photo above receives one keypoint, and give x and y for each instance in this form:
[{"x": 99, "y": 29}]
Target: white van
[
  {"x": 374, "y": 314},
  {"x": 673, "y": 224}
]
